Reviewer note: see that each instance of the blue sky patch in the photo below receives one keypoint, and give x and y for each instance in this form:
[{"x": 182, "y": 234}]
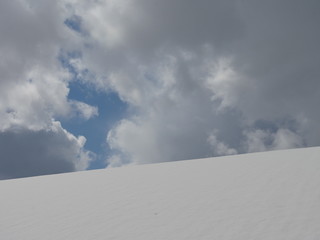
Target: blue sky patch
[
  {"x": 111, "y": 110},
  {"x": 74, "y": 23}
]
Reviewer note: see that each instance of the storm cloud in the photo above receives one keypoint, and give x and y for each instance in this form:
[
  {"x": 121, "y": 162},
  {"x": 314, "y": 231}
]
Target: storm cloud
[{"x": 26, "y": 153}]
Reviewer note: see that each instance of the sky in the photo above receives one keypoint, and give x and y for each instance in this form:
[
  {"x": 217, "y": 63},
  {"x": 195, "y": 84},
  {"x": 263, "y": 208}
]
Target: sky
[{"x": 107, "y": 83}]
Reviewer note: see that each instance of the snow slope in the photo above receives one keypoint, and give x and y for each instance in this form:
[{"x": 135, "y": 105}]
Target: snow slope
[{"x": 271, "y": 195}]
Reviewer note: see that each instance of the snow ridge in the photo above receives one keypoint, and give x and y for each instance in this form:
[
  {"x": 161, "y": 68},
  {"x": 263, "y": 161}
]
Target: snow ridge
[{"x": 269, "y": 196}]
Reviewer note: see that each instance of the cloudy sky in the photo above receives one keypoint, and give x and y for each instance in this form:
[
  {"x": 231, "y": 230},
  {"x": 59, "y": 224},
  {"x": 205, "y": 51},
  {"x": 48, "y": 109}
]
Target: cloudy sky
[{"x": 106, "y": 83}]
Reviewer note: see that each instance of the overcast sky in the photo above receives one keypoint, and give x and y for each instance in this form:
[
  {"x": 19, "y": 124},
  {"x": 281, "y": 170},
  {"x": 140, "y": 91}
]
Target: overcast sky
[{"x": 105, "y": 83}]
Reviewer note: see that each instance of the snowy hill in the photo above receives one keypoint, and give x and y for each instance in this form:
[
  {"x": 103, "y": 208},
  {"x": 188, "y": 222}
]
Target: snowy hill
[{"x": 271, "y": 195}]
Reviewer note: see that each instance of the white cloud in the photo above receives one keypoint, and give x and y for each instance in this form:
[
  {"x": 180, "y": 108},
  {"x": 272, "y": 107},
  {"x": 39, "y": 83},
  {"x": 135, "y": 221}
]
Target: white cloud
[
  {"x": 263, "y": 140},
  {"x": 222, "y": 81},
  {"x": 84, "y": 110},
  {"x": 257, "y": 140},
  {"x": 219, "y": 147},
  {"x": 137, "y": 141},
  {"x": 115, "y": 161},
  {"x": 33, "y": 87},
  {"x": 284, "y": 139},
  {"x": 40, "y": 95}
]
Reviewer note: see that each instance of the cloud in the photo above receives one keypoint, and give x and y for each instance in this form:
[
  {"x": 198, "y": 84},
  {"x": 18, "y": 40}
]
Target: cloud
[
  {"x": 263, "y": 140},
  {"x": 25, "y": 152},
  {"x": 33, "y": 85},
  {"x": 220, "y": 148},
  {"x": 188, "y": 68},
  {"x": 34, "y": 89},
  {"x": 201, "y": 78},
  {"x": 84, "y": 110}
]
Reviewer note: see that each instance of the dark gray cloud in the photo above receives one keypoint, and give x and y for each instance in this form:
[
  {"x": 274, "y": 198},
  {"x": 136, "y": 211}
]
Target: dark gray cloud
[
  {"x": 279, "y": 56},
  {"x": 25, "y": 153}
]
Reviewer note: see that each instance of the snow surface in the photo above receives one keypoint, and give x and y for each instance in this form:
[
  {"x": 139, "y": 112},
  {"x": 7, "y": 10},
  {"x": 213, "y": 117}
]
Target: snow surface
[{"x": 271, "y": 195}]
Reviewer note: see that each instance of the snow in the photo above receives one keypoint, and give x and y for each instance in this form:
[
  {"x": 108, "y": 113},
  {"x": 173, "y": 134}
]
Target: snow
[{"x": 271, "y": 195}]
